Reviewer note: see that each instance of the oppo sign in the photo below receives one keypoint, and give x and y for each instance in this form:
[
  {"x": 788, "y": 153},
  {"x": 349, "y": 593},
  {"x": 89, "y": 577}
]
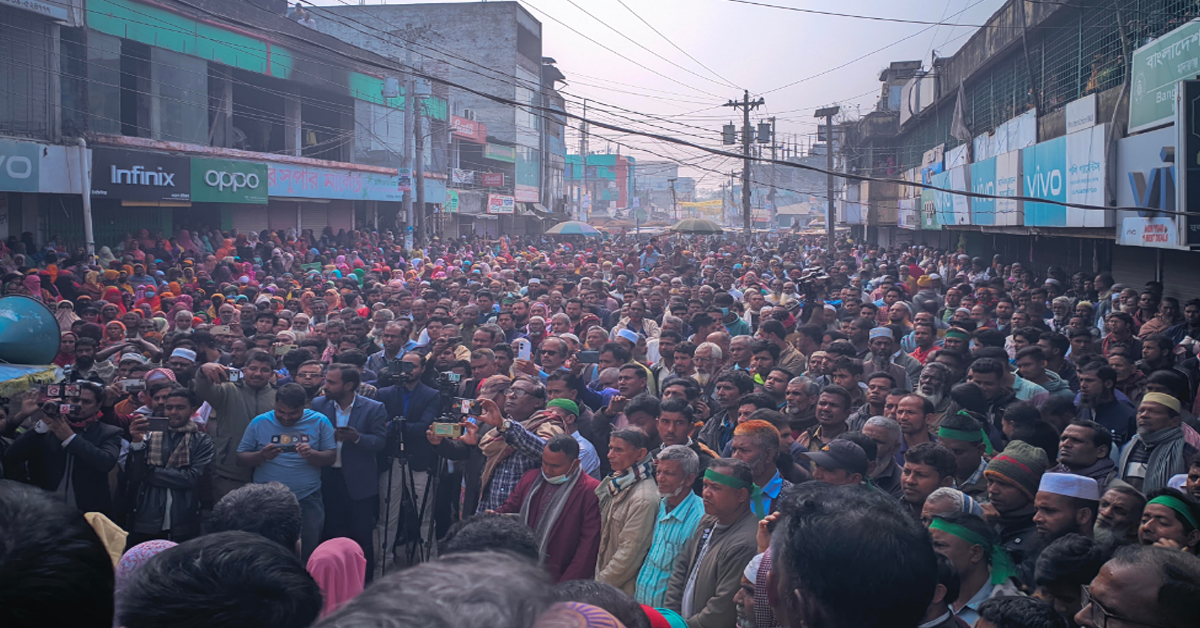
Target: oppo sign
[
  {"x": 227, "y": 181},
  {"x": 233, "y": 180}
]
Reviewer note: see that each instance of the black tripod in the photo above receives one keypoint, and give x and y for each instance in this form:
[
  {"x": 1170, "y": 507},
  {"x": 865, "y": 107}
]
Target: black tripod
[{"x": 415, "y": 511}]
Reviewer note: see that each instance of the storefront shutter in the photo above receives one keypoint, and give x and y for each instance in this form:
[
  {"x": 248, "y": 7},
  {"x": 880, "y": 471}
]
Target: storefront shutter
[
  {"x": 315, "y": 216},
  {"x": 247, "y": 218}
]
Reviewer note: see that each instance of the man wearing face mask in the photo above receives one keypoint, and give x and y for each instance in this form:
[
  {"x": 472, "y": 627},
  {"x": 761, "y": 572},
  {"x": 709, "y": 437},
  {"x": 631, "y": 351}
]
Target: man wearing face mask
[{"x": 558, "y": 502}]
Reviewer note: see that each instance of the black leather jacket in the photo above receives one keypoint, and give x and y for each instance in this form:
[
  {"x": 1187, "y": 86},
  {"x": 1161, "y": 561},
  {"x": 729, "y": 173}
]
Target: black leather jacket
[{"x": 150, "y": 485}]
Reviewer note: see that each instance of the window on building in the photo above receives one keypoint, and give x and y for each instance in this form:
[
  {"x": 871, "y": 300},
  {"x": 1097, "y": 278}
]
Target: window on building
[
  {"x": 179, "y": 112},
  {"x": 25, "y": 53}
]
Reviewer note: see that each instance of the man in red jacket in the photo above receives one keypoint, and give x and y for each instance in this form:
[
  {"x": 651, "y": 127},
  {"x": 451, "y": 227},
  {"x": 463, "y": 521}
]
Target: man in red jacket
[{"x": 558, "y": 502}]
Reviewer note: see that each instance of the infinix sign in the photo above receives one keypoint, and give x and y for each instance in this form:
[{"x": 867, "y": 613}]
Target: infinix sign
[{"x": 140, "y": 176}]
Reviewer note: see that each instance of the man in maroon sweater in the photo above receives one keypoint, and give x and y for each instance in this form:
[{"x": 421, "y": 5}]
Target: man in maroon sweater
[{"x": 558, "y": 502}]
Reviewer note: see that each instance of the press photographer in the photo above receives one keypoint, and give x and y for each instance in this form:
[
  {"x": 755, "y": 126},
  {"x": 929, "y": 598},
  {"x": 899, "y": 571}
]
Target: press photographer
[{"x": 70, "y": 452}]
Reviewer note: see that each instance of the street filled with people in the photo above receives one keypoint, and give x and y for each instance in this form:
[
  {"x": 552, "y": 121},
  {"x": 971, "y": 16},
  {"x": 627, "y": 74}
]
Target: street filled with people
[{"x": 284, "y": 429}]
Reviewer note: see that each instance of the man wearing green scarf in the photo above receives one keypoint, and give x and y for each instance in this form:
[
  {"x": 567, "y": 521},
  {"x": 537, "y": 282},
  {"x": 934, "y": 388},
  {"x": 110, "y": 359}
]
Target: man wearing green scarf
[{"x": 983, "y": 566}]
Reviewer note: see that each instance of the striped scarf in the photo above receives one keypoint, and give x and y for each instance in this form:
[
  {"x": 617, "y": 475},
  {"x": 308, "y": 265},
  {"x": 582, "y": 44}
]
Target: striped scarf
[{"x": 180, "y": 457}]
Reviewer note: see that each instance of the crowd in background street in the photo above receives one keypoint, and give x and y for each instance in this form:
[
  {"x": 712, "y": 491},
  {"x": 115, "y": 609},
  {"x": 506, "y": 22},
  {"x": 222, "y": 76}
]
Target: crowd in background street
[{"x": 705, "y": 431}]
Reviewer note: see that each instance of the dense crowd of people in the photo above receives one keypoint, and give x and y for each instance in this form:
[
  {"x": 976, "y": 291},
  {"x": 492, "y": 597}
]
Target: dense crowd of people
[{"x": 290, "y": 429}]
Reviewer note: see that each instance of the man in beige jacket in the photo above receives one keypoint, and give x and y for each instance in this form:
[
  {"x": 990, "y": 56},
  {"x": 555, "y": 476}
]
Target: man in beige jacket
[{"x": 628, "y": 507}]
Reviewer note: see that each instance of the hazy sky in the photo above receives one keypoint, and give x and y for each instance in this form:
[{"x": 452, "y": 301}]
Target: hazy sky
[{"x": 789, "y": 58}]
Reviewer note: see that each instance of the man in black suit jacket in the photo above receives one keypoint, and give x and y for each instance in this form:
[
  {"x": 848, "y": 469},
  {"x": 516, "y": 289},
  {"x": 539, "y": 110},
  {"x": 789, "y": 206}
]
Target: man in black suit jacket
[
  {"x": 351, "y": 484},
  {"x": 415, "y": 406},
  {"x": 71, "y": 455}
]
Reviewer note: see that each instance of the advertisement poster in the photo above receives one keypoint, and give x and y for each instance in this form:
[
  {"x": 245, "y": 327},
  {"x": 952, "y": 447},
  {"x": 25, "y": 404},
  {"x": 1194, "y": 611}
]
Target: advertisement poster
[{"x": 501, "y": 204}]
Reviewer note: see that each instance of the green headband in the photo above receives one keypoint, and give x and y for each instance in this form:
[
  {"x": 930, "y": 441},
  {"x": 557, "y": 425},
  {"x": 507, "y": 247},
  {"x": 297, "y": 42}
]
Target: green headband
[
  {"x": 957, "y": 334},
  {"x": 1176, "y": 504},
  {"x": 729, "y": 481},
  {"x": 1002, "y": 565},
  {"x": 967, "y": 436}
]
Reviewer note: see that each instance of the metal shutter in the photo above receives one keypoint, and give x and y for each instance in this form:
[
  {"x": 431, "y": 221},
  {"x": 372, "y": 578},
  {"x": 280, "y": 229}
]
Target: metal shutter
[
  {"x": 315, "y": 216},
  {"x": 25, "y": 94},
  {"x": 1180, "y": 279},
  {"x": 1134, "y": 266},
  {"x": 247, "y": 218}
]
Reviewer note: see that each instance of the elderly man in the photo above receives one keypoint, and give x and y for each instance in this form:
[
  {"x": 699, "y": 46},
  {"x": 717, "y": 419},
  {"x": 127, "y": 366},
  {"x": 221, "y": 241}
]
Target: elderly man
[
  {"x": 887, "y": 437},
  {"x": 679, "y": 512},
  {"x": 709, "y": 571},
  {"x": 1066, "y": 504},
  {"x": 886, "y": 356},
  {"x": 558, "y": 502},
  {"x": 934, "y": 385},
  {"x": 1143, "y": 587},
  {"x": 628, "y": 505},
  {"x": 757, "y": 444},
  {"x": 800, "y": 406},
  {"x": 1158, "y": 450}
]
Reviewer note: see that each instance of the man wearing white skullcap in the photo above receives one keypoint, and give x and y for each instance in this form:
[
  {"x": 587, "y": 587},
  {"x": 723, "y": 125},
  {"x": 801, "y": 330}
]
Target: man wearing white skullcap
[{"x": 1066, "y": 503}]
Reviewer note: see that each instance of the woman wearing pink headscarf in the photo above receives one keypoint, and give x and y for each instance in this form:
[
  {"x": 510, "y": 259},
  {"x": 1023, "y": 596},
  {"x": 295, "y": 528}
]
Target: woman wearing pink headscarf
[{"x": 339, "y": 567}]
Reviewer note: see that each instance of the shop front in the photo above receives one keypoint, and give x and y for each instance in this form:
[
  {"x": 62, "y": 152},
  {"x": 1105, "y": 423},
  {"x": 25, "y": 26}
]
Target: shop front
[
  {"x": 223, "y": 192},
  {"x": 135, "y": 190},
  {"x": 306, "y": 197},
  {"x": 35, "y": 176}
]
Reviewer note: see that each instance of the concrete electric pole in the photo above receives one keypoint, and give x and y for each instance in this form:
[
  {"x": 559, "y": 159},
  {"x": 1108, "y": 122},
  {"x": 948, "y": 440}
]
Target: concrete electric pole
[
  {"x": 828, "y": 114},
  {"x": 746, "y": 105}
]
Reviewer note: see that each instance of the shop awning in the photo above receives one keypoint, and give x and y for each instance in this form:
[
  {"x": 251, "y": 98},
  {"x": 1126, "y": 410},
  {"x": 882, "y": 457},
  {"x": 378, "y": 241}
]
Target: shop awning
[{"x": 533, "y": 209}]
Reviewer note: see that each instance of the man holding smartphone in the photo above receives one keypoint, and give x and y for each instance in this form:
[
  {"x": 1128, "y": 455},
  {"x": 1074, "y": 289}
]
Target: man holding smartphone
[
  {"x": 165, "y": 468},
  {"x": 351, "y": 484},
  {"x": 290, "y": 444}
]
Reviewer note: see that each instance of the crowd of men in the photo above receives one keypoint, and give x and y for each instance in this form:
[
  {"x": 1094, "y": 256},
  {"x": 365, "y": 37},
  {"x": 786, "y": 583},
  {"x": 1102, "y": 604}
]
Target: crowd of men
[{"x": 691, "y": 431}]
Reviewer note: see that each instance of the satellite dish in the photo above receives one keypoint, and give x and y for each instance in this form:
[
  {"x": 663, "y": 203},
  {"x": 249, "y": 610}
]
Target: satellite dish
[{"x": 29, "y": 333}]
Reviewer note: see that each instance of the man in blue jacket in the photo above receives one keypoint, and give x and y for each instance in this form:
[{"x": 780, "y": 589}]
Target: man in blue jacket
[{"x": 351, "y": 484}]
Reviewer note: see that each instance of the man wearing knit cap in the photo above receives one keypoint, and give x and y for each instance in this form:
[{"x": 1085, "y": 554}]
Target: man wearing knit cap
[
  {"x": 1013, "y": 478},
  {"x": 1158, "y": 451},
  {"x": 1066, "y": 504}
]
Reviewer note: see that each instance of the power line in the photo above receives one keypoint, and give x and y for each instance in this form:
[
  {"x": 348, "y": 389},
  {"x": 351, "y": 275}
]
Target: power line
[
  {"x": 643, "y": 47},
  {"x": 673, "y": 44},
  {"x": 640, "y": 65}
]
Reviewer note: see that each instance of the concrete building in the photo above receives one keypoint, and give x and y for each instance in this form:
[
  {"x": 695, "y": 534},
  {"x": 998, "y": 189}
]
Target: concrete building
[
  {"x": 1074, "y": 107},
  {"x": 498, "y": 150}
]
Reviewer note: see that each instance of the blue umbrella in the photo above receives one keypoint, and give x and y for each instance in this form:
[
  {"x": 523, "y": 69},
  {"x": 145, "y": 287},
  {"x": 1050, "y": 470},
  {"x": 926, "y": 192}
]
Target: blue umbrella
[{"x": 574, "y": 227}]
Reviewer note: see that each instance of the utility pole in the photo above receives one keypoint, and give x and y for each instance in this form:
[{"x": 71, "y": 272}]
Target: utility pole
[
  {"x": 583, "y": 155},
  {"x": 419, "y": 226},
  {"x": 746, "y": 105},
  {"x": 828, "y": 113},
  {"x": 409, "y": 147},
  {"x": 771, "y": 195},
  {"x": 674, "y": 200}
]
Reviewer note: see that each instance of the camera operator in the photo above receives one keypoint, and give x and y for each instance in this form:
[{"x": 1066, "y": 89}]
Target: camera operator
[
  {"x": 494, "y": 388},
  {"x": 412, "y": 407},
  {"x": 71, "y": 454},
  {"x": 165, "y": 468}
]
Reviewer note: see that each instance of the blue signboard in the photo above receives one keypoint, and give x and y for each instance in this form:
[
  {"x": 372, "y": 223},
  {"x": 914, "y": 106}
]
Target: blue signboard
[
  {"x": 983, "y": 181},
  {"x": 1045, "y": 167}
]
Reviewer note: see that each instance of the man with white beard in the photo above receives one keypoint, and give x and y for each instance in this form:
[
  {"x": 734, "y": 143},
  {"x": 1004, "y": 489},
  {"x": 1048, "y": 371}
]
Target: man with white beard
[{"x": 934, "y": 385}]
